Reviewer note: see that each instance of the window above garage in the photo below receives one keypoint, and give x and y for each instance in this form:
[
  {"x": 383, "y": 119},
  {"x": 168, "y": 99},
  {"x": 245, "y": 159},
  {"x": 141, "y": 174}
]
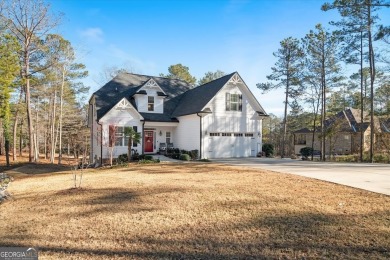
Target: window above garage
[{"x": 233, "y": 102}]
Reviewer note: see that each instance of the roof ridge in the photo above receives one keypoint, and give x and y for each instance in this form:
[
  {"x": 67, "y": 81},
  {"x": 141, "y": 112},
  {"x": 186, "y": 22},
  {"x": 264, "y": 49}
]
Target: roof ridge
[{"x": 150, "y": 77}]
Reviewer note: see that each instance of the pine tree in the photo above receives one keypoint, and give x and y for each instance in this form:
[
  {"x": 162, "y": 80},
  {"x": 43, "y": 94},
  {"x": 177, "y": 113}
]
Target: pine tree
[
  {"x": 28, "y": 21},
  {"x": 210, "y": 76},
  {"x": 286, "y": 74},
  {"x": 321, "y": 69},
  {"x": 365, "y": 12},
  {"x": 9, "y": 68}
]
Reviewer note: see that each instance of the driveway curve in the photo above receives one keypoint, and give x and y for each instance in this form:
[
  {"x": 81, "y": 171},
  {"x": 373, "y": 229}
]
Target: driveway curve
[{"x": 371, "y": 177}]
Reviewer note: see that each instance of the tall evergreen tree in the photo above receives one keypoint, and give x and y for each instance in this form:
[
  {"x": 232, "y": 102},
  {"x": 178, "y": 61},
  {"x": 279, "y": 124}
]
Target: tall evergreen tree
[
  {"x": 210, "y": 76},
  {"x": 285, "y": 74},
  {"x": 9, "y": 68},
  {"x": 29, "y": 21},
  {"x": 322, "y": 68},
  {"x": 365, "y": 11},
  {"x": 179, "y": 71}
]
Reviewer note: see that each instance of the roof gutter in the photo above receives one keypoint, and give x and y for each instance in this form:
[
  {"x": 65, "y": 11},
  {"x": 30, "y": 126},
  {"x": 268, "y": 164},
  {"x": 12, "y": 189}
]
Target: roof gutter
[{"x": 262, "y": 114}]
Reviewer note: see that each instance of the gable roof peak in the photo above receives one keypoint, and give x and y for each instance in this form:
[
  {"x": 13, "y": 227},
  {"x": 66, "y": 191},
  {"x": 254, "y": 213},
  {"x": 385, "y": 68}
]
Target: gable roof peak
[{"x": 235, "y": 79}]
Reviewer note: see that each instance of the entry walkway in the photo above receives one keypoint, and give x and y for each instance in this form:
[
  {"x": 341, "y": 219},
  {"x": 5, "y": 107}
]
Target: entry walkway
[{"x": 371, "y": 177}]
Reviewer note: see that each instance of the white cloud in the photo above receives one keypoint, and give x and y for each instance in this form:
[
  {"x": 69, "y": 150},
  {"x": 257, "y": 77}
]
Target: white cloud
[{"x": 92, "y": 34}]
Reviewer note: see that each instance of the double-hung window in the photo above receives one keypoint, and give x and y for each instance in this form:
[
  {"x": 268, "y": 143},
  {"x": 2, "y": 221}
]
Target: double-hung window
[
  {"x": 117, "y": 135},
  {"x": 233, "y": 102},
  {"x": 168, "y": 137},
  {"x": 150, "y": 103}
]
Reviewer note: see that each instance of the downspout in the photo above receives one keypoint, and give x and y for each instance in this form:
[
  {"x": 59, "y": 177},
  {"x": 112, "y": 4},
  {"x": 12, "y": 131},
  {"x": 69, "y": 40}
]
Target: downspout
[
  {"x": 200, "y": 136},
  {"x": 143, "y": 137},
  {"x": 101, "y": 142}
]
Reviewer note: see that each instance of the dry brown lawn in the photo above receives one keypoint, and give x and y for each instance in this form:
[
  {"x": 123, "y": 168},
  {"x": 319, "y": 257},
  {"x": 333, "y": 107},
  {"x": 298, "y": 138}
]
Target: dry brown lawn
[{"x": 193, "y": 211}]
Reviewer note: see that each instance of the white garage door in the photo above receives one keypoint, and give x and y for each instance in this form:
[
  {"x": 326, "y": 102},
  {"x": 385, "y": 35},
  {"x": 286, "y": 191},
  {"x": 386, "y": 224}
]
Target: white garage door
[{"x": 231, "y": 146}]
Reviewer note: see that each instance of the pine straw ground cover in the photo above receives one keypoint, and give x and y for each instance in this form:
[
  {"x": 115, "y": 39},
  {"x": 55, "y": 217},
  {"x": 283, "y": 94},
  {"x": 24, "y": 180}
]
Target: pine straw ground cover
[{"x": 187, "y": 211}]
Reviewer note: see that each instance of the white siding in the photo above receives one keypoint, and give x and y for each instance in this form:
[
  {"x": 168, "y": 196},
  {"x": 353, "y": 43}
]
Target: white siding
[
  {"x": 162, "y": 138},
  {"x": 95, "y": 143},
  {"x": 187, "y": 133},
  {"x": 142, "y": 101},
  {"x": 124, "y": 118},
  {"x": 239, "y": 122},
  {"x": 95, "y": 140},
  {"x": 158, "y": 105}
]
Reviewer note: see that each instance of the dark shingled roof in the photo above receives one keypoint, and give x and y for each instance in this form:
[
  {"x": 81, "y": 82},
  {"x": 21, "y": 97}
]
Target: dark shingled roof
[
  {"x": 125, "y": 85},
  {"x": 195, "y": 99},
  {"x": 141, "y": 92},
  {"x": 154, "y": 117},
  {"x": 180, "y": 98},
  {"x": 303, "y": 131},
  {"x": 347, "y": 120}
]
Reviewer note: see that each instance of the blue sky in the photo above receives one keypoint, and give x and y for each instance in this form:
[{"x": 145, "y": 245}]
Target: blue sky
[{"x": 149, "y": 36}]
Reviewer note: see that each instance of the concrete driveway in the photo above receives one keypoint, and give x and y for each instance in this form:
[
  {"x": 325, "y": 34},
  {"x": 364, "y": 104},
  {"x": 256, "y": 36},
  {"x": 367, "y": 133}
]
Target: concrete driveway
[{"x": 371, "y": 177}]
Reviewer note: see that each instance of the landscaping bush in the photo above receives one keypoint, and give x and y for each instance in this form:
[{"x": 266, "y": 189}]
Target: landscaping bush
[
  {"x": 347, "y": 158},
  {"x": 185, "y": 157},
  {"x": 268, "y": 149},
  {"x": 194, "y": 154},
  {"x": 135, "y": 156},
  {"x": 176, "y": 156},
  {"x": 122, "y": 158},
  {"x": 306, "y": 152},
  {"x": 381, "y": 158},
  {"x": 148, "y": 157},
  {"x": 176, "y": 150},
  {"x": 149, "y": 161}
]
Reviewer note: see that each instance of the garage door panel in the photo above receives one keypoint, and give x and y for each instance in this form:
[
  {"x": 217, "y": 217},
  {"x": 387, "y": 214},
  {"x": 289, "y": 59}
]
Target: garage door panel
[{"x": 230, "y": 146}]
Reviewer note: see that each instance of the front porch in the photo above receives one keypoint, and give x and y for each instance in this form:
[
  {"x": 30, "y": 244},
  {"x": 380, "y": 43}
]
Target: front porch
[{"x": 157, "y": 136}]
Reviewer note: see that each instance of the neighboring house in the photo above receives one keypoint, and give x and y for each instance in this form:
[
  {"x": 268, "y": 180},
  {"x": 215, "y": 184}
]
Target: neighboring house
[
  {"x": 220, "y": 119},
  {"x": 343, "y": 133}
]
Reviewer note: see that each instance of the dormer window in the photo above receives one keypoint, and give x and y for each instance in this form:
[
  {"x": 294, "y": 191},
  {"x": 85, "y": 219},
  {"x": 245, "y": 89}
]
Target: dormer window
[{"x": 150, "y": 103}]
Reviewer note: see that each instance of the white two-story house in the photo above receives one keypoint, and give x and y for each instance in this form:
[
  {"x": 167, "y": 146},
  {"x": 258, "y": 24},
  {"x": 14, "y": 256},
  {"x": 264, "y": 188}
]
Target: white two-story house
[{"x": 220, "y": 119}]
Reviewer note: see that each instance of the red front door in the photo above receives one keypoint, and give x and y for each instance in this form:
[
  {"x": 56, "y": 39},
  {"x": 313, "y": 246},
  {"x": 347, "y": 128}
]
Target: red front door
[{"x": 148, "y": 141}]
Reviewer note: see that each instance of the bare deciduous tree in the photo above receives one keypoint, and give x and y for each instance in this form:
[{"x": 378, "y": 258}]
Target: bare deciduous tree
[{"x": 29, "y": 21}]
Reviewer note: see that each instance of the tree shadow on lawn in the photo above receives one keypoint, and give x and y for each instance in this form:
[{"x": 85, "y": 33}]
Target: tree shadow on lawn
[
  {"x": 291, "y": 236},
  {"x": 27, "y": 169},
  {"x": 140, "y": 254},
  {"x": 326, "y": 235},
  {"x": 113, "y": 199},
  {"x": 284, "y": 235},
  {"x": 172, "y": 168}
]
